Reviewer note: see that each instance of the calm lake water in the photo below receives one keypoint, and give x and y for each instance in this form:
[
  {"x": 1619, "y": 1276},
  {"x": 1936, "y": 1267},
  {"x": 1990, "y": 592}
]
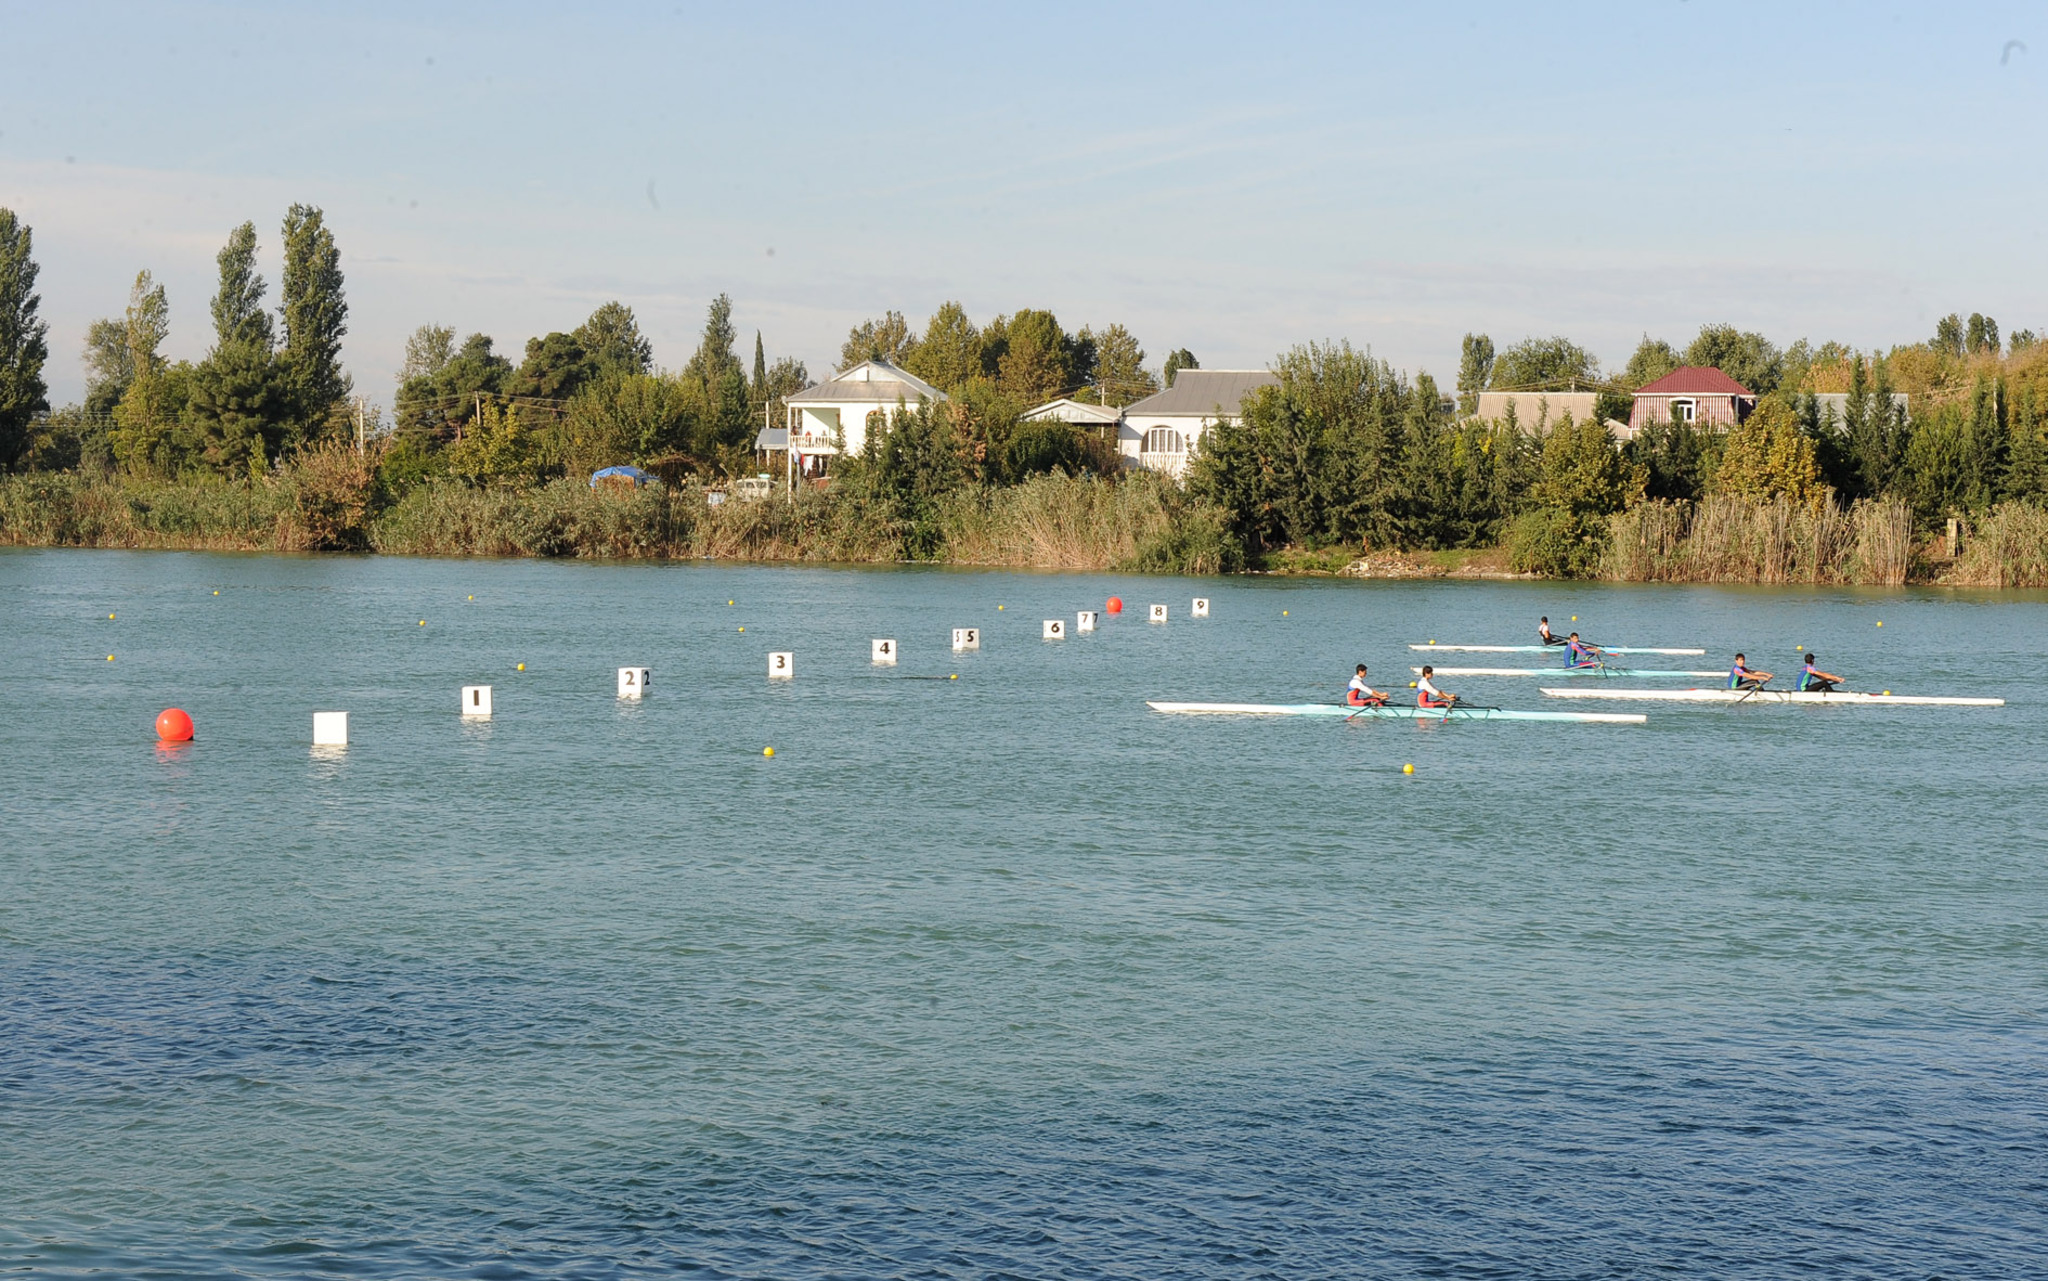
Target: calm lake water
[{"x": 1003, "y": 975}]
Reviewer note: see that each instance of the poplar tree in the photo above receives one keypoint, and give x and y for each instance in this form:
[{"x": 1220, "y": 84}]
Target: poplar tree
[
  {"x": 141, "y": 438},
  {"x": 1475, "y": 367},
  {"x": 1176, "y": 360},
  {"x": 315, "y": 313},
  {"x": 24, "y": 342}
]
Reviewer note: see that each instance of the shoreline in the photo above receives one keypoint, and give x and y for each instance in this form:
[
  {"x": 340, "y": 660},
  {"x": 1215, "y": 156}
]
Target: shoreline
[{"x": 1138, "y": 525}]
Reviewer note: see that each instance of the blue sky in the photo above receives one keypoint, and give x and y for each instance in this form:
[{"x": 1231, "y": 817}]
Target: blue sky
[{"x": 1230, "y": 179}]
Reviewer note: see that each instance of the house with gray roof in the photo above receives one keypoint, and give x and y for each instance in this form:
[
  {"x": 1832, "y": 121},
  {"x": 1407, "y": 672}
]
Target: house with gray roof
[
  {"x": 1164, "y": 431},
  {"x": 833, "y": 417}
]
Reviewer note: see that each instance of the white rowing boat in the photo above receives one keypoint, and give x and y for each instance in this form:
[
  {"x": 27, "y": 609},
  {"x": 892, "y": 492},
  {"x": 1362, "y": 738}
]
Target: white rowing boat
[
  {"x": 1394, "y": 713},
  {"x": 1842, "y": 697},
  {"x": 1567, "y": 671},
  {"x": 1549, "y": 649}
]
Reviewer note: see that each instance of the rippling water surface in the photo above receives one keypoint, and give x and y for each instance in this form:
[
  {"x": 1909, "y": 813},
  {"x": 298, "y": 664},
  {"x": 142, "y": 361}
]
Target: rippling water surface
[{"x": 1003, "y": 975}]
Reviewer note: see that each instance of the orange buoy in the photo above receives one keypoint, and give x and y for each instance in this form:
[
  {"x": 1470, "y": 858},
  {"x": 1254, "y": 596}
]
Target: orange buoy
[
  {"x": 1114, "y": 605},
  {"x": 174, "y": 726}
]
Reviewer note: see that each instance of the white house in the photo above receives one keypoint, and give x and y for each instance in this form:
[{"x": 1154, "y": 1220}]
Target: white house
[
  {"x": 1163, "y": 431},
  {"x": 829, "y": 418}
]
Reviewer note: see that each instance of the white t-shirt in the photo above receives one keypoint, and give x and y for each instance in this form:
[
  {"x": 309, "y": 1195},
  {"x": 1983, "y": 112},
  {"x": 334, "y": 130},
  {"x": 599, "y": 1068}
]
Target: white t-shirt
[
  {"x": 1425, "y": 690},
  {"x": 1364, "y": 690}
]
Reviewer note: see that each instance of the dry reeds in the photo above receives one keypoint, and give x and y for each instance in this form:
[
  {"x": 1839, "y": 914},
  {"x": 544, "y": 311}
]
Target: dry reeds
[
  {"x": 1731, "y": 540},
  {"x": 2007, "y": 547}
]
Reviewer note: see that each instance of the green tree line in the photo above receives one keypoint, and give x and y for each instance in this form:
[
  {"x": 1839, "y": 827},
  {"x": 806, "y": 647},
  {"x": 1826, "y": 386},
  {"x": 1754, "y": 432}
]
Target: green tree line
[{"x": 1343, "y": 450}]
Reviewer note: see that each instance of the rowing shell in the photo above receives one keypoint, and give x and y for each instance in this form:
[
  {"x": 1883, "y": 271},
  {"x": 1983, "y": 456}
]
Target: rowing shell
[
  {"x": 1844, "y": 697},
  {"x": 1549, "y": 649},
  {"x": 1394, "y": 713},
  {"x": 1563, "y": 671}
]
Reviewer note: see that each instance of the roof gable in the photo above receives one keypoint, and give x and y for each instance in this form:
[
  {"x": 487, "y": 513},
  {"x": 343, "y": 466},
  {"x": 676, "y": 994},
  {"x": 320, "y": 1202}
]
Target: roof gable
[
  {"x": 1068, "y": 410},
  {"x": 1695, "y": 380},
  {"x": 870, "y": 380}
]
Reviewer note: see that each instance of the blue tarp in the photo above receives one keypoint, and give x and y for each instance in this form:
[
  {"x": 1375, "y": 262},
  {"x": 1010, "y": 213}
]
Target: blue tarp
[{"x": 633, "y": 474}]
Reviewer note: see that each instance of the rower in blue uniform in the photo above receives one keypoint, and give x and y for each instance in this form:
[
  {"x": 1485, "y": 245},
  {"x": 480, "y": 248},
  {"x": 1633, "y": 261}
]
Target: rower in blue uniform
[
  {"x": 1578, "y": 653},
  {"x": 1743, "y": 676},
  {"x": 1812, "y": 680}
]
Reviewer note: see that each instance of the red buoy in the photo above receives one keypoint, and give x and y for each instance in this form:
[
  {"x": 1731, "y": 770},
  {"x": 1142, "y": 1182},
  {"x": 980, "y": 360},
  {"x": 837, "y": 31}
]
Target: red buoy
[
  {"x": 1115, "y": 605},
  {"x": 173, "y": 726}
]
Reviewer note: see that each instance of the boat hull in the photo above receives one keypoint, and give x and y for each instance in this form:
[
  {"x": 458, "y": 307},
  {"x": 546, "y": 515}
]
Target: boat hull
[
  {"x": 1608, "y": 672},
  {"x": 1393, "y": 713},
  {"x": 1546, "y": 649},
  {"x": 1838, "y": 698}
]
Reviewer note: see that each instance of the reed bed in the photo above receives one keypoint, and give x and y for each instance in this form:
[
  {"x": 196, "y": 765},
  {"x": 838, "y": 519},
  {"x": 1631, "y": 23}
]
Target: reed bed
[
  {"x": 2007, "y": 547},
  {"x": 1730, "y": 540},
  {"x": 1055, "y": 521}
]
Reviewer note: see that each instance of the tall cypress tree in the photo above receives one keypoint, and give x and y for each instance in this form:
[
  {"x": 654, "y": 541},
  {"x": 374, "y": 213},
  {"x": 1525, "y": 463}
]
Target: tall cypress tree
[
  {"x": 315, "y": 315},
  {"x": 240, "y": 392},
  {"x": 24, "y": 342}
]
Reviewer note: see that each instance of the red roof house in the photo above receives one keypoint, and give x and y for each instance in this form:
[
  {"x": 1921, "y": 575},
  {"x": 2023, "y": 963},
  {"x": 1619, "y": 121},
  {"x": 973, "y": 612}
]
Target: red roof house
[{"x": 1696, "y": 394}]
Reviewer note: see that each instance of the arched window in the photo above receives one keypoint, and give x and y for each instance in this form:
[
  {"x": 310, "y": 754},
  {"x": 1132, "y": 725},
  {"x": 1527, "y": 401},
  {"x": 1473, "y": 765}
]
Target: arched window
[{"x": 1164, "y": 440}]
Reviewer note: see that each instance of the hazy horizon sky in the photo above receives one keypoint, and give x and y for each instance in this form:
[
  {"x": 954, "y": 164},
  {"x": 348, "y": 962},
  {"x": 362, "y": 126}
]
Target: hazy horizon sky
[{"x": 1226, "y": 180}]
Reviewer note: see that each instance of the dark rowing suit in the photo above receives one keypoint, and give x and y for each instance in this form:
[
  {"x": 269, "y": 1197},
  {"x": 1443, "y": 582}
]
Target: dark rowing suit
[
  {"x": 1740, "y": 677},
  {"x": 1547, "y": 638},
  {"x": 1810, "y": 682}
]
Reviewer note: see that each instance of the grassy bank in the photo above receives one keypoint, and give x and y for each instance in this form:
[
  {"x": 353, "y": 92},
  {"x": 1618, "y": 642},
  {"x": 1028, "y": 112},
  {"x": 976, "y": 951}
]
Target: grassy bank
[{"x": 331, "y": 500}]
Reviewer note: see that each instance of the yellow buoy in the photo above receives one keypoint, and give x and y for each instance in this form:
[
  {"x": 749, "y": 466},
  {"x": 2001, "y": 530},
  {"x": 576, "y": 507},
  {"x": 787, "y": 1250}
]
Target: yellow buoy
[
  {"x": 767, "y": 751},
  {"x": 1283, "y": 613},
  {"x": 1407, "y": 769},
  {"x": 728, "y": 602},
  {"x": 954, "y": 677},
  {"x": 423, "y": 622},
  {"x": 110, "y": 658},
  {"x": 522, "y": 667},
  {"x": 1880, "y": 623},
  {"x": 110, "y": 618},
  {"x": 1411, "y": 684},
  {"x": 217, "y": 593},
  {"x": 1887, "y": 693},
  {"x": 743, "y": 629},
  {"x": 472, "y": 598},
  {"x": 1575, "y": 618}
]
